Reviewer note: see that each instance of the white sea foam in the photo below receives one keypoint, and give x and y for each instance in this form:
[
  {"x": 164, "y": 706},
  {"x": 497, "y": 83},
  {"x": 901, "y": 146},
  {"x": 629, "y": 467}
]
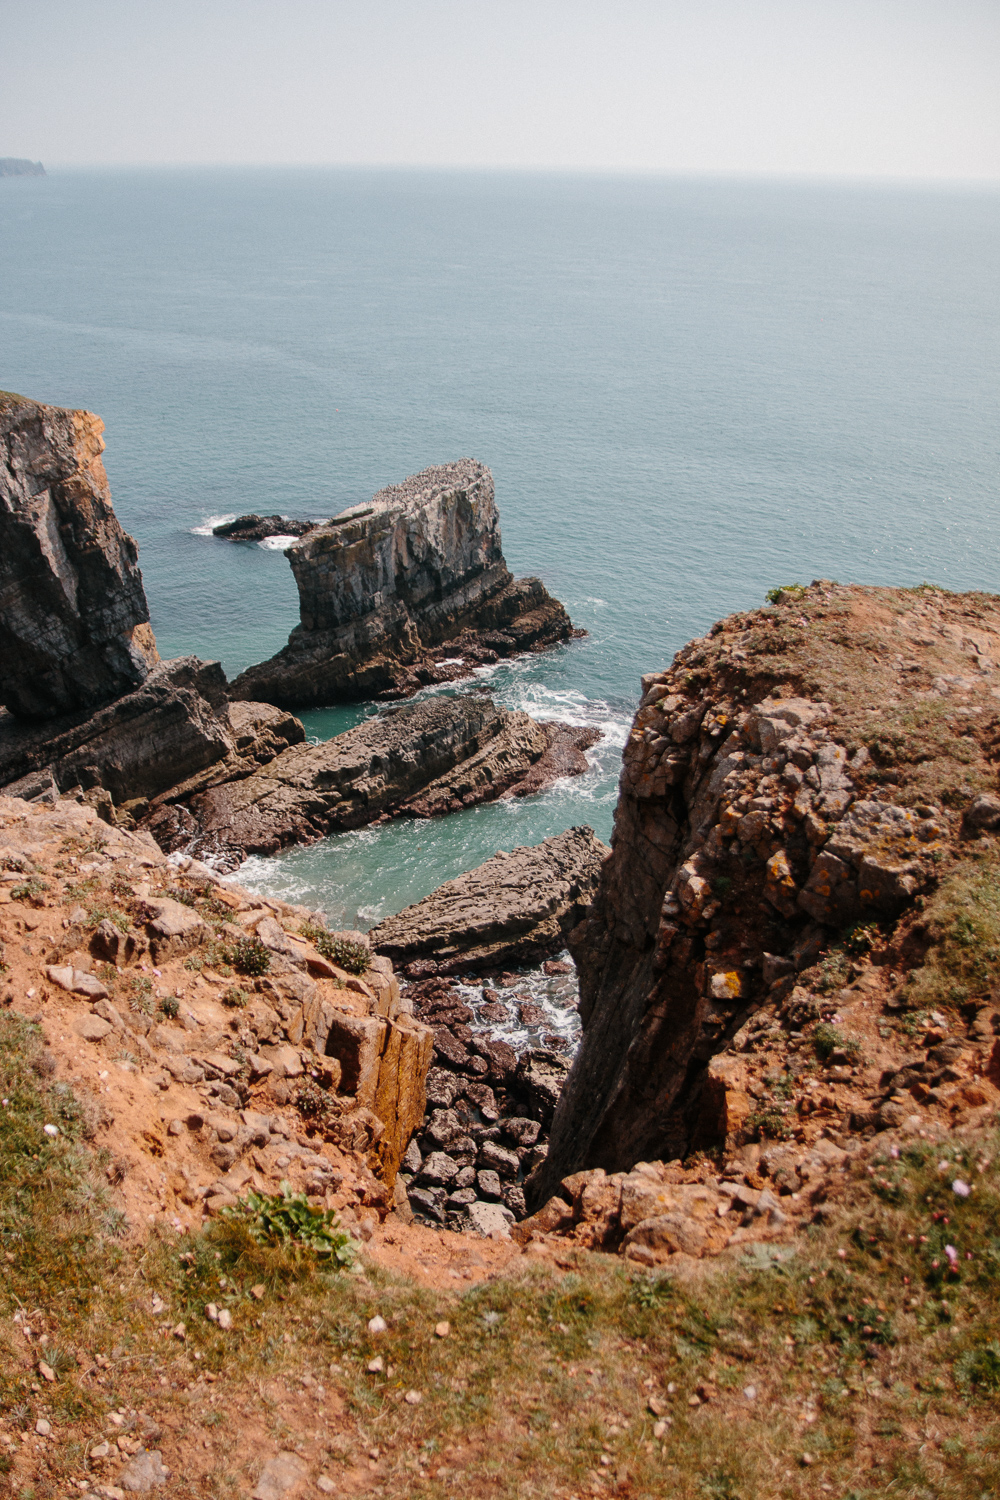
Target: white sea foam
[
  {"x": 277, "y": 543},
  {"x": 210, "y": 522}
]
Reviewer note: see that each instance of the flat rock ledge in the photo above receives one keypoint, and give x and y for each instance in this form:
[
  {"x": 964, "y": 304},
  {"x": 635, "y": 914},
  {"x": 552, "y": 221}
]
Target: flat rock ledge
[
  {"x": 515, "y": 909},
  {"x": 426, "y": 759},
  {"x": 408, "y": 590}
]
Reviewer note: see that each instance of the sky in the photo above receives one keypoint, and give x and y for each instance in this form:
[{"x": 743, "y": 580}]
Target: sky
[{"x": 904, "y": 89}]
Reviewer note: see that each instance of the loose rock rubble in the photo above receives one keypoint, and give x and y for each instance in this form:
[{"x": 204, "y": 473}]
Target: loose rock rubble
[{"x": 489, "y": 1110}]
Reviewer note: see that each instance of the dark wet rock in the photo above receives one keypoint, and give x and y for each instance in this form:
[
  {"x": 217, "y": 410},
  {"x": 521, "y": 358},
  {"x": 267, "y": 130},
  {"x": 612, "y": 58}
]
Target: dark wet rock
[
  {"x": 254, "y": 528},
  {"x": 393, "y": 591}
]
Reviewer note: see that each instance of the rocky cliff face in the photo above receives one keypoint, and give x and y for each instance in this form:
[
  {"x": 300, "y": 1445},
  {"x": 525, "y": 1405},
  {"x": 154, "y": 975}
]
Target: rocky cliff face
[
  {"x": 383, "y": 587},
  {"x": 802, "y": 786},
  {"x": 74, "y": 624}
]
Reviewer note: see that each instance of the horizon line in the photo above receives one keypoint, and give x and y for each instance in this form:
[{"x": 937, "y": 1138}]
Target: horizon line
[{"x": 532, "y": 169}]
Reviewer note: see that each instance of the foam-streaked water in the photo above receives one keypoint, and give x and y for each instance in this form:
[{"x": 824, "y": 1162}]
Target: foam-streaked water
[{"x": 687, "y": 391}]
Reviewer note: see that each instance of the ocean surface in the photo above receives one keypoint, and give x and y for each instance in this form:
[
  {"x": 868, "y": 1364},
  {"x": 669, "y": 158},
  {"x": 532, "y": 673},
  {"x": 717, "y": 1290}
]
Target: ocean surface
[{"x": 688, "y": 391}]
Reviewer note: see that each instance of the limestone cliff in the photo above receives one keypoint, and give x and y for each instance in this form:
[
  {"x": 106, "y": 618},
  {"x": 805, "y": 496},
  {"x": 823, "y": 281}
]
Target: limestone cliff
[
  {"x": 797, "y": 786},
  {"x": 393, "y": 591},
  {"x": 74, "y": 624}
]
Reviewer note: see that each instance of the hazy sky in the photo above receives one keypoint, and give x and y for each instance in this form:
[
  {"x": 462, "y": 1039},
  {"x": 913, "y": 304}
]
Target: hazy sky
[{"x": 898, "y": 88}]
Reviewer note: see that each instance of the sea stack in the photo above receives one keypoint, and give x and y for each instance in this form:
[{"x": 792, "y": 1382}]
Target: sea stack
[
  {"x": 406, "y": 590},
  {"x": 74, "y": 623}
]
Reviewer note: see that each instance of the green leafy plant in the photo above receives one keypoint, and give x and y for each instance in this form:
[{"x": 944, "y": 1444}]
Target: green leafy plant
[
  {"x": 786, "y": 593},
  {"x": 235, "y": 997},
  {"x": 288, "y": 1219},
  {"x": 828, "y": 1039},
  {"x": 170, "y": 1005},
  {"x": 249, "y": 956},
  {"x": 28, "y": 889},
  {"x": 354, "y": 957}
]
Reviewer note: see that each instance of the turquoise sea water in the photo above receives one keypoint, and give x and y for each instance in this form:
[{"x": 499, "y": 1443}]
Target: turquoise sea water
[{"x": 687, "y": 391}]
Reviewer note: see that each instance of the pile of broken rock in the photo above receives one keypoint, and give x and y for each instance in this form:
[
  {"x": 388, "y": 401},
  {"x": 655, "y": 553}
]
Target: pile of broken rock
[{"x": 659, "y": 1211}]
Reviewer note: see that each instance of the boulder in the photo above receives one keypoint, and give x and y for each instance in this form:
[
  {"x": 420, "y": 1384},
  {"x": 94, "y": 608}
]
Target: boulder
[
  {"x": 391, "y": 592},
  {"x": 384, "y": 1066},
  {"x": 516, "y": 908},
  {"x": 74, "y": 623},
  {"x": 491, "y": 1220}
]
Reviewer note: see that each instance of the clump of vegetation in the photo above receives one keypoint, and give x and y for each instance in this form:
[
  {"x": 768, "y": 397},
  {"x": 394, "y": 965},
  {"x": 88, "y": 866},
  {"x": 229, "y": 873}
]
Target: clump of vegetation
[
  {"x": 962, "y": 919},
  {"x": 248, "y": 956},
  {"x": 346, "y": 954},
  {"x": 786, "y": 593},
  {"x": 101, "y": 911},
  {"x": 29, "y": 890},
  {"x": 828, "y": 1039},
  {"x": 770, "y": 1122},
  {"x": 289, "y": 1220},
  {"x": 170, "y": 1006},
  {"x": 235, "y": 997}
]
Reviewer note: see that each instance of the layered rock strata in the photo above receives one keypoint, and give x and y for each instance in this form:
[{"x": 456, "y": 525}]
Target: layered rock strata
[
  {"x": 407, "y": 590},
  {"x": 175, "y": 727},
  {"x": 74, "y": 624},
  {"x": 795, "y": 773},
  {"x": 300, "y": 1070},
  {"x": 517, "y": 908},
  {"x": 432, "y": 757}
]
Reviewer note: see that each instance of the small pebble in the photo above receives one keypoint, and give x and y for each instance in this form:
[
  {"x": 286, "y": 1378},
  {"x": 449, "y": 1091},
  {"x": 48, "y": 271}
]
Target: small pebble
[
  {"x": 659, "y": 1428},
  {"x": 54, "y": 1130},
  {"x": 375, "y": 1365},
  {"x": 377, "y": 1325},
  {"x": 442, "y": 1330},
  {"x": 413, "y": 1398},
  {"x": 225, "y": 1318},
  {"x": 750, "y": 1392},
  {"x": 257, "y": 1291},
  {"x": 42, "y": 1427},
  {"x": 807, "y": 1460},
  {"x": 212, "y": 1313},
  {"x": 325, "y": 1486}
]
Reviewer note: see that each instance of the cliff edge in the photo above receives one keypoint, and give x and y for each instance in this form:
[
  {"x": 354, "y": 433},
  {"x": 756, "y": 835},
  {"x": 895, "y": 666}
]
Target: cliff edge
[{"x": 808, "y": 794}]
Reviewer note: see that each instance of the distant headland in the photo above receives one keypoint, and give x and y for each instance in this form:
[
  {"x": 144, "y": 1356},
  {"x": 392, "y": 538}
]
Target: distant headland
[{"x": 17, "y": 166}]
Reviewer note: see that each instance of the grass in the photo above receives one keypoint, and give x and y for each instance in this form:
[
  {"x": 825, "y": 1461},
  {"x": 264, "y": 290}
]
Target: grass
[
  {"x": 961, "y": 921},
  {"x": 873, "y": 1352}
]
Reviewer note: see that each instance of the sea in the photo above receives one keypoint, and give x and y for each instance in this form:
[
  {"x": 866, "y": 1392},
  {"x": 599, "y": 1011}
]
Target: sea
[{"x": 688, "y": 391}]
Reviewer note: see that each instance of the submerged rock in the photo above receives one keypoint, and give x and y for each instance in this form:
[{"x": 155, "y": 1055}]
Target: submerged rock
[
  {"x": 409, "y": 589},
  {"x": 74, "y": 623},
  {"x": 428, "y": 758},
  {"x": 517, "y": 908}
]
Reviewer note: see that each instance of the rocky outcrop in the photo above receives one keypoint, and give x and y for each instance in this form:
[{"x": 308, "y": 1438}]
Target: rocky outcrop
[
  {"x": 254, "y": 528},
  {"x": 290, "y": 1068},
  {"x": 796, "y": 773},
  {"x": 517, "y": 908},
  {"x": 20, "y": 166},
  {"x": 74, "y": 624},
  {"x": 391, "y": 593},
  {"x": 428, "y": 758},
  {"x": 177, "y": 726}
]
